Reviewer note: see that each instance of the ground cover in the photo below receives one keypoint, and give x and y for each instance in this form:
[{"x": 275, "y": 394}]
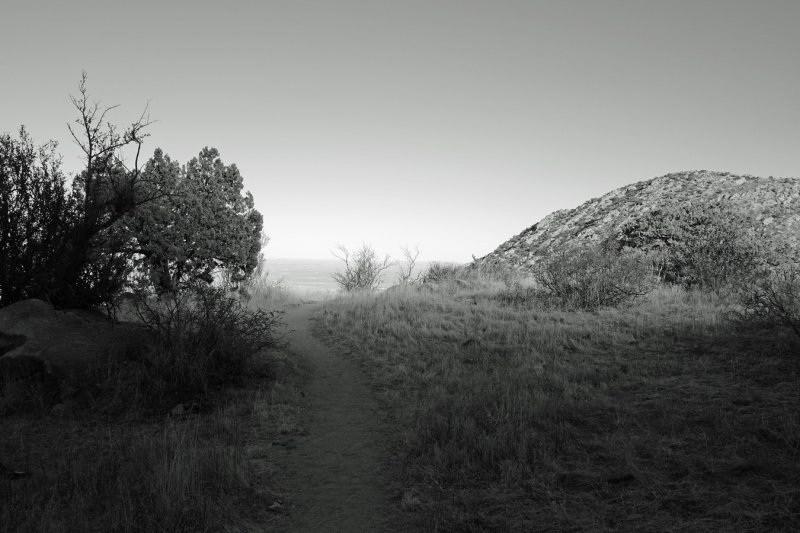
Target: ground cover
[
  {"x": 135, "y": 450},
  {"x": 660, "y": 416}
]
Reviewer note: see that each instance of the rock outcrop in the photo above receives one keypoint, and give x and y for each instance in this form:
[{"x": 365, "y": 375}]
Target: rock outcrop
[
  {"x": 771, "y": 202},
  {"x": 35, "y": 338}
]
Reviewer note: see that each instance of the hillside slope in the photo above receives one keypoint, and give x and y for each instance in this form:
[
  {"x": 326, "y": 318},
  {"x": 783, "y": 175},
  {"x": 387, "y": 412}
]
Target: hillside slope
[{"x": 772, "y": 202}]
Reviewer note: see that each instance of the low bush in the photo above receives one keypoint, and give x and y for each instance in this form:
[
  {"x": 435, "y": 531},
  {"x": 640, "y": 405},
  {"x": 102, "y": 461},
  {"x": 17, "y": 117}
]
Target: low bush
[
  {"x": 772, "y": 298},
  {"x": 439, "y": 272},
  {"x": 581, "y": 278},
  {"x": 205, "y": 336}
]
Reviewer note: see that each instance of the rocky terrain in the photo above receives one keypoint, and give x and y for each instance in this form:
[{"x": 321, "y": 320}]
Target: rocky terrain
[{"x": 773, "y": 203}]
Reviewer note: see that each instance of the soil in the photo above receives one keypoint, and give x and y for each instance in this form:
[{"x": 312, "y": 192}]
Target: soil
[{"x": 338, "y": 473}]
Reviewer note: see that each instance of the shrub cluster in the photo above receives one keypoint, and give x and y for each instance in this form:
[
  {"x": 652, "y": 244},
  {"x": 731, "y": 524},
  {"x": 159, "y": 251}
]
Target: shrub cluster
[
  {"x": 697, "y": 245},
  {"x": 772, "y": 298},
  {"x": 205, "y": 336},
  {"x": 440, "y": 272},
  {"x": 587, "y": 278}
]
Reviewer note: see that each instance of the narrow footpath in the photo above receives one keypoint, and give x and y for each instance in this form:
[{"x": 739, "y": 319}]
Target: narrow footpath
[{"x": 336, "y": 475}]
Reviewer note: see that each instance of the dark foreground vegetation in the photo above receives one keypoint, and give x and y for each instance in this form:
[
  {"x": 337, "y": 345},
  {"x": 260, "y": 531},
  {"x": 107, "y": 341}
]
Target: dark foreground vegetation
[
  {"x": 611, "y": 389},
  {"x": 172, "y": 435}
]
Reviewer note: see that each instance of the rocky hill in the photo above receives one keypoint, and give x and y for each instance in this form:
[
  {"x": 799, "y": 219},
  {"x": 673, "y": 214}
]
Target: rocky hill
[{"x": 773, "y": 203}]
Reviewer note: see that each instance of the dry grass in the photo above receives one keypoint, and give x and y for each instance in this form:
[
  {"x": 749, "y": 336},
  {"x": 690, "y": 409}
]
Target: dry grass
[
  {"x": 204, "y": 472},
  {"x": 263, "y": 293},
  {"x": 120, "y": 463},
  {"x": 658, "y": 417}
]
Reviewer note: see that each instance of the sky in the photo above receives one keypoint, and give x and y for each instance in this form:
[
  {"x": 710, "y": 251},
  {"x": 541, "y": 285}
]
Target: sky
[{"x": 444, "y": 125}]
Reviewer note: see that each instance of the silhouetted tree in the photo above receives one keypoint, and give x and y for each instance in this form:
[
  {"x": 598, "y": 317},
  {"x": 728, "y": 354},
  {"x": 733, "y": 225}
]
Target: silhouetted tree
[
  {"x": 203, "y": 226},
  {"x": 36, "y": 216},
  {"x": 93, "y": 264},
  {"x": 79, "y": 246}
]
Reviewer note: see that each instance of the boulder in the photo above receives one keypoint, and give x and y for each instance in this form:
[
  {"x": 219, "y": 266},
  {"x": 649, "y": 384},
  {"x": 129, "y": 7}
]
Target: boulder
[{"x": 65, "y": 344}]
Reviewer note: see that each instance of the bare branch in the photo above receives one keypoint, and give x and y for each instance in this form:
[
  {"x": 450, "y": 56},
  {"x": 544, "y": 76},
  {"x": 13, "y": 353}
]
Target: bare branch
[
  {"x": 407, "y": 266},
  {"x": 364, "y": 272}
]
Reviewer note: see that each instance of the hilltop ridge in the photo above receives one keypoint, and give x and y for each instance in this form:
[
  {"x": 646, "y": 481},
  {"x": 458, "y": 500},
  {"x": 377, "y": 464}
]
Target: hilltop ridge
[{"x": 771, "y": 202}]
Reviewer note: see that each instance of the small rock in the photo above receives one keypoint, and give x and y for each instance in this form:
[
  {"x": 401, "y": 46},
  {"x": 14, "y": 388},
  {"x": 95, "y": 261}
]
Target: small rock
[{"x": 276, "y": 506}]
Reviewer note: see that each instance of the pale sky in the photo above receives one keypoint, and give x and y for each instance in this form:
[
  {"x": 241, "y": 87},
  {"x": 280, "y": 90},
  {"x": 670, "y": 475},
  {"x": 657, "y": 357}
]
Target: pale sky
[{"x": 451, "y": 125}]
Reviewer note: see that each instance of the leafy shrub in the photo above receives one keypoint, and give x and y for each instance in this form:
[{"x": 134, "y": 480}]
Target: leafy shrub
[
  {"x": 36, "y": 217},
  {"x": 362, "y": 270},
  {"x": 590, "y": 278},
  {"x": 696, "y": 245},
  {"x": 773, "y": 297},
  {"x": 205, "y": 337}
]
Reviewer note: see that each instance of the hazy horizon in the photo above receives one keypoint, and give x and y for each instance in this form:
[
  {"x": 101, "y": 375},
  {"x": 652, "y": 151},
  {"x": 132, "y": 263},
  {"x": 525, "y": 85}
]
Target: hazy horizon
[{"x": 450, "y": 125}]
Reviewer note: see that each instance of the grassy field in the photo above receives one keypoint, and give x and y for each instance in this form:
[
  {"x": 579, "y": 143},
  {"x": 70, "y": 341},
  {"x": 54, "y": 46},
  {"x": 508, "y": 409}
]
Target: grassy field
[
  {"x": 662, "y": 416},
  {"x": 118, "y": 458}
]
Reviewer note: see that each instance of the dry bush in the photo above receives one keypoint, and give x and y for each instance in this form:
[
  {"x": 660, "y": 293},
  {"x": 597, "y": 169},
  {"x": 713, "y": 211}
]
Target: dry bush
[
  {"x": 204, "y": 335},
  {"x": 772, "y": 298},
  {"x": 590, "y": 278},
  {"x": 362, "y": 270},
  {"x": 697, "y": 245},
  {"x": 440, "y": 272},
  {"x": 406, "y": 267}
]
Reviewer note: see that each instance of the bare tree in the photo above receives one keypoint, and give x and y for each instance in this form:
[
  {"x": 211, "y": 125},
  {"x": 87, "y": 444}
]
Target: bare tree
[
  {"x": 104, "y": 192},
  {"x": 108, "y": 187},
  {"x": 406, "y": 267},
  {"x": 362, "y": 270}
]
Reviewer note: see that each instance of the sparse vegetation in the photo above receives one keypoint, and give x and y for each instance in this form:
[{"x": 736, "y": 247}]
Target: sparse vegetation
[
  {"x": 439, "y": 272},
  {"x": 205, "y": 337},
  {"x": 362, "y": 270},
  {"x": 696, "y": 245},
  {"x": 659, "y": 415},
  {"x": 771, "y": 298},
  {"x": 588, "y": 278},
  {"x": 405, "y": 274}
]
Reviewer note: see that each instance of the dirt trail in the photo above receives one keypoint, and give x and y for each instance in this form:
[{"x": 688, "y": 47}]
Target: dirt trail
[{"x": 336, "y": 474}]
